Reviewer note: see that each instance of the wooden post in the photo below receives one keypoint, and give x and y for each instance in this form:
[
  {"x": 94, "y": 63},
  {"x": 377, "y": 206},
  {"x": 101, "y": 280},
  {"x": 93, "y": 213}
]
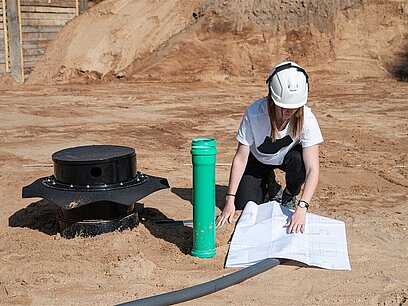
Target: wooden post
[
  {"x": 76, "y": 7},
  {"x": 5, "y": 34},
  {"x": 83, "y": 6},
  {"x": 15, "y": 40}
]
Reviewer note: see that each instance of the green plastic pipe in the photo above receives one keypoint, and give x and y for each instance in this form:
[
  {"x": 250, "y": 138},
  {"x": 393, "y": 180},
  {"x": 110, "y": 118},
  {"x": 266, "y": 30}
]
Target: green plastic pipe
[{"x": 203, "y": 152}]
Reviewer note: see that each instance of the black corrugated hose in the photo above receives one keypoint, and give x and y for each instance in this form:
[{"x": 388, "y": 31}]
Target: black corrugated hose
[{"x": 186, "y": 294}]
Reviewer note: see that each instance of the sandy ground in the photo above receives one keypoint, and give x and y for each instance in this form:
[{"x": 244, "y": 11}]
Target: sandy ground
[
  {"x": 152, "y": 75},
  {"x": 363, "y": 183}
]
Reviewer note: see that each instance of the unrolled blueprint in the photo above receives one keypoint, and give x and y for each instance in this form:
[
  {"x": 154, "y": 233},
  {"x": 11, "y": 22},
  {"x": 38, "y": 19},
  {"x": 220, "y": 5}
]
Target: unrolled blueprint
[{"x": 261, "y": 233}]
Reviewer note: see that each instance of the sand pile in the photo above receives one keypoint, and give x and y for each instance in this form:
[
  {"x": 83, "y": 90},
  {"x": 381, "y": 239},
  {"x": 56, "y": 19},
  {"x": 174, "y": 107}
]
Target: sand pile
[
  {"x": 109, "y": 37},
  {"x": 183, "y": 40}
]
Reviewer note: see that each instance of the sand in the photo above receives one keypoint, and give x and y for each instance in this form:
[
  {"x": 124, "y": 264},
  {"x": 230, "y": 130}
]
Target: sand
[{"x": 157, "y": 107}]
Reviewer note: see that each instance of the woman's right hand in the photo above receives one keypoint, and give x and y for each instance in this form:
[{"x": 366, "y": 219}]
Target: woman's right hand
[{"x": 227, "y": 213}]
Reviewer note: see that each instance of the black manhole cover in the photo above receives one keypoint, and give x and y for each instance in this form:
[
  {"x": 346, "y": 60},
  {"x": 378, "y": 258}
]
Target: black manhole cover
[{"x": 94, "y": 185}]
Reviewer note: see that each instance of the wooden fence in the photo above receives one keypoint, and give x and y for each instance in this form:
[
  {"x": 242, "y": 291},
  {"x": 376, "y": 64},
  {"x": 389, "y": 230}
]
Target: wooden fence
[
  {"x": 4, "y": 56},
  {"x": 26, "y": 28}
]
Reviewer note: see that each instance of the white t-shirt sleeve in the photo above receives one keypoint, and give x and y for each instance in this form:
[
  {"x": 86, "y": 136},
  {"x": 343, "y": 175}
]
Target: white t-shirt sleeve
[
  {"x": 311, "y": 133},
  {"x": 245, "y": 134}
]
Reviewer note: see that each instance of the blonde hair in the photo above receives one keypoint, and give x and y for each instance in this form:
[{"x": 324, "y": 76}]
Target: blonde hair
[{"x": 297, "y": 121}]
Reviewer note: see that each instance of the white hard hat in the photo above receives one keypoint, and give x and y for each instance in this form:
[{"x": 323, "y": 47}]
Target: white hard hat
[{"x": 288, "y": 85}]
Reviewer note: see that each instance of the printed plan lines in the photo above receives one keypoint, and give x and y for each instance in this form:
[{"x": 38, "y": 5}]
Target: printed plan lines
[{"x": 260, "y": 234}]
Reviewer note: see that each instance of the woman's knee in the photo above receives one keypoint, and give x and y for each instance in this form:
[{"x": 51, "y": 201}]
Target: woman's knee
[
  {"x": 250, "y": 189},
  {"x": 294, "y": 159}
]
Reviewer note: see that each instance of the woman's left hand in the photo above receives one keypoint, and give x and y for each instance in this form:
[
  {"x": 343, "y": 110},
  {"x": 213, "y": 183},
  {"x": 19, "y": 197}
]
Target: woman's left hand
[{"x": 296, "y": 224}]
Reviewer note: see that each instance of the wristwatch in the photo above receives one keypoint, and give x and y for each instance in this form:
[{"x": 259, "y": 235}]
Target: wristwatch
[{"x": 303, "y": 204}]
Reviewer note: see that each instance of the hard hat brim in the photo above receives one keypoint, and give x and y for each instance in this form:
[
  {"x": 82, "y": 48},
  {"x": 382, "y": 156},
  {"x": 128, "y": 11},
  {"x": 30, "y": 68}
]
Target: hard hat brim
[{"x": 289, "y": 106}]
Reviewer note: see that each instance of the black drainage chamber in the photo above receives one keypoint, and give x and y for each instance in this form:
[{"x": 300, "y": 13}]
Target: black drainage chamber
[{"x": 96, "y": 188}]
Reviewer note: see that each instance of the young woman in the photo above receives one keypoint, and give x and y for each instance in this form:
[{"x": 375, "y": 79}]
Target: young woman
[{"x": 276, "y": 132}]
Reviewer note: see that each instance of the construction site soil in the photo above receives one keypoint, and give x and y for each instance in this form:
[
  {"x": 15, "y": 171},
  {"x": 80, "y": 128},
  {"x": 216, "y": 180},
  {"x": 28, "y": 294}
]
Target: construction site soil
[{"x": 153, "y": 75}]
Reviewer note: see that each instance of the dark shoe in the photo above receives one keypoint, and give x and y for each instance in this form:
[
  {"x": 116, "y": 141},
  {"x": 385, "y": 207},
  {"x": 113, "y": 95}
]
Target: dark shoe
[
  {"x": 289, "y": 200},
  {"x": 275, "y": 191},
  {"x": 277, "y": 197}
]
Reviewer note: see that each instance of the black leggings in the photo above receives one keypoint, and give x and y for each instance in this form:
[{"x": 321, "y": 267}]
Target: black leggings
[{"x": 254, "y": 183}]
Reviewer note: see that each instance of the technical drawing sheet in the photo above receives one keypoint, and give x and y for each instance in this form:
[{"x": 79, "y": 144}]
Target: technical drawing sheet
[{"x": 260, "y": 234}]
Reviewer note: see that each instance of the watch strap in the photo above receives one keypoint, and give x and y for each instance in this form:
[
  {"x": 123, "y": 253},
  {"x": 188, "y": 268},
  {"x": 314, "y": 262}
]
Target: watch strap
[{"x": 306, "y": 204}]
